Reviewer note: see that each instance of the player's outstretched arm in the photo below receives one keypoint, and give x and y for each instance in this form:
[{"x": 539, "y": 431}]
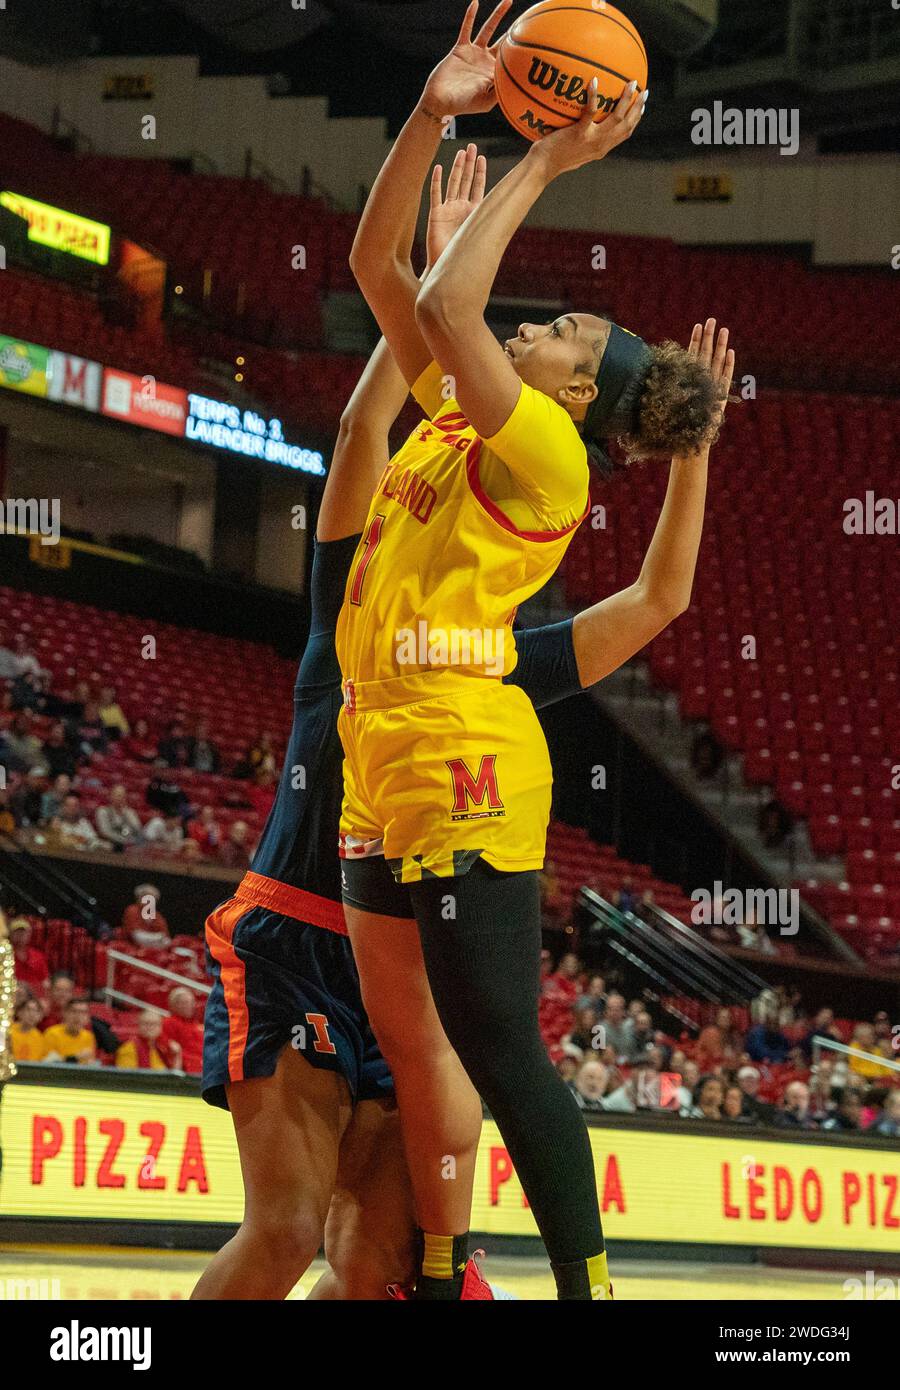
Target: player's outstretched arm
[
  {"x": 461, "y": 83},
  {"x": 609, "y": 633},
  {"x": 450, "y": 308},
  {"x": 362, "y": 449}
]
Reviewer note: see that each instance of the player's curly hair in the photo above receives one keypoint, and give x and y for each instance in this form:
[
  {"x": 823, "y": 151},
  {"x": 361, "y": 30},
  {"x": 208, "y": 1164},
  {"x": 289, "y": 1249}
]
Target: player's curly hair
[{"x": 675, "y": 406}]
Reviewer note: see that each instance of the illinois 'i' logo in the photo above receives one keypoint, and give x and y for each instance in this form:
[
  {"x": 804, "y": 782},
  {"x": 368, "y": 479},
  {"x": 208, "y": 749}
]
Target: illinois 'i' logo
[{"x": 478, "y": 791}]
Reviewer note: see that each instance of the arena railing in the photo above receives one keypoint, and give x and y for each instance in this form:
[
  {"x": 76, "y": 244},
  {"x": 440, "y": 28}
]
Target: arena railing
[
  {"x": 120, "y": 996},
  {"x": 821, "y": 1044}
]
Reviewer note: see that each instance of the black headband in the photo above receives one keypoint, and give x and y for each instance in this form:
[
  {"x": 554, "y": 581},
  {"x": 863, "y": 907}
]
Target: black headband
[{"x": 620, "y": 376}]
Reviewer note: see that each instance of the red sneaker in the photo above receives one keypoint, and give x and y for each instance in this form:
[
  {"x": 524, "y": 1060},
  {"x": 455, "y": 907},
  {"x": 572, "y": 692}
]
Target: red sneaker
[{"x": 474, "y": 1283}]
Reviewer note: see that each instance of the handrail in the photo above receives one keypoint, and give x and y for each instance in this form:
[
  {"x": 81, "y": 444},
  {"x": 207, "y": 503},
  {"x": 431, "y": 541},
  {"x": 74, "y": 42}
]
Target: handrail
[
  {"x": 754, "y": 984},
  {"x": 112, "y": 956},
  {"x": 820, "y": 1043},
  {"x": 77, "y": 904},
  {"x": 680, "y": 973}
]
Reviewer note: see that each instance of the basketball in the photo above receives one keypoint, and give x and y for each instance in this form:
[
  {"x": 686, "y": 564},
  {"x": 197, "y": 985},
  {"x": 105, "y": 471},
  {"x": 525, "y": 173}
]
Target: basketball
[{"x": 549, "y": 56}]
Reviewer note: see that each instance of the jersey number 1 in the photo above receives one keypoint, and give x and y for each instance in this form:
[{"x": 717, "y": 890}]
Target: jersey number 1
[{"x": 372, "y": 538}]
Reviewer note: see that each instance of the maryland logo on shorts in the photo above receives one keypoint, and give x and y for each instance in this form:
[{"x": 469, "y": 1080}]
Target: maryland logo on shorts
[{"x": 475, "y": 797}]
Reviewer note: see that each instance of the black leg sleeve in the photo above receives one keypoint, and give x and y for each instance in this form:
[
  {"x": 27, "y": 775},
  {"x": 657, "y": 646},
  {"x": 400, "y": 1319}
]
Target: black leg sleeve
[{"x": 481, "y": 939}]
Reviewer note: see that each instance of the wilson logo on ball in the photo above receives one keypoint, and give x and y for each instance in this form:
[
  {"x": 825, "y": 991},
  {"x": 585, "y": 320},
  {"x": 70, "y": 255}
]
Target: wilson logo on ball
[{"x": 547, "y": 59}]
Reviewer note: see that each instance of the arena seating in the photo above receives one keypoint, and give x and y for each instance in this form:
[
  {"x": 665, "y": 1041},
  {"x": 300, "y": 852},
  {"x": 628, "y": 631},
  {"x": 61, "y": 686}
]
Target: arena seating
[
  {"x": 815, "y": 710},
  {"x": 229, "y": 243},
  {"x": 578, "y": 861},
  {"x": 191, "y": 677}
]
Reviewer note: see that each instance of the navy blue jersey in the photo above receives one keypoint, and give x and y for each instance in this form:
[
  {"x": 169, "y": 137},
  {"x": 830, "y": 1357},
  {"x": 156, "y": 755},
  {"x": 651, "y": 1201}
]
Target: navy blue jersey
[{"x": 299, "y": 842}]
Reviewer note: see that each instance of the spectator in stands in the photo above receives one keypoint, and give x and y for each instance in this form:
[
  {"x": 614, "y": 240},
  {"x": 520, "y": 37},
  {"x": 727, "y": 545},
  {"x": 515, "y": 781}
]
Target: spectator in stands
[
  {"x": 118, "y": 822},
  {"x": 888, "y": 1126},
  {"x": 774, "y": 824},
  {"x": 141, "y": 1051},
  {"x": 887, "y": 1042},
  {"x": 261, "y": 792},
  {"x": 203, "y": 753},
  {"x": 794, "y": 1111},
  {"x": 645, "y": 904},
  {"x": 142, "y": 921},
  {"x": 755, "y": 1109},
  {"x": 204, "y": 831},
  {"x": 822, "y": 1084},
  {"x": 111, "y": 714},
  {"x": 165, "y": 833},
  {"x": 62, "y": 989},
  {"x": 847, "y": 1114},
  {"x": 618, "y": 1028},
  {"x": 733, "y": 1105},
  {"x": 140, "y": 745},
  {"x": 29, "y": 963},
  {"x": 706, "y": 755},
  {"x": 71, "y": 1040},
  {"x": 864, "y": 1040},
  {"x": 753, "y": 937},
  {"x": 19, "y": 660},
  {"x": 566, "y": 1064},
  {"x": 765, "y": 1041},
  {"x": 26, "y": 1038},
  {"x": 20, "y": 748},
  {"x": 582, "y": 1035},
  {"x": 53, "y": 798},
  {"x": 181, "y": 1039},
  {"x": 589, "y": 1085},
  {"x": 716, "y": 1038},
  {"x": 72, "y": 829},
  {"x": 261, "y": 753},
  {"x": 621, "y": 1095},
  {"x": 25, "y": 802},
  {"x": 87, "y": 734},
  {"x": 643, "y": 1037},
  {"x": 234, "y": 850},
  {"x": 562, "y": 985},
  {"x": 690, "y": 1075},
  {"x": 709, "y": 1094},
  {"x": 823, "y": 1027},
  {"x": 7, "y": 817},
  {"x": 33, "y": 693},
  {"x": 174, "y": 749},
  {"x": 56, "y": 755},
  {"x": 625, "y": 898},
  {"x": 594, "y": 996},
  {"x": 167, "y": 797}
]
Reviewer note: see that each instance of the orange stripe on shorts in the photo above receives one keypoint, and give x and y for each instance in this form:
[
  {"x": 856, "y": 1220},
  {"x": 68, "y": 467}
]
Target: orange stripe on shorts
[{"x": 220, "y": 927}]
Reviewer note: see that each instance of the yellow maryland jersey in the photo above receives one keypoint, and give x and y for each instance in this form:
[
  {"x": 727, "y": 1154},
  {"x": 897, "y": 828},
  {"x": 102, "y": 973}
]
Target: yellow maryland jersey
[{"x": 460, "y": 531}]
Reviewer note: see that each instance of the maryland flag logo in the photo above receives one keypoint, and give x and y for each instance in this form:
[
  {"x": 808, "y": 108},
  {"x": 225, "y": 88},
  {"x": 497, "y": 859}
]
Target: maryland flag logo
[{"x": 478, "y": 791}]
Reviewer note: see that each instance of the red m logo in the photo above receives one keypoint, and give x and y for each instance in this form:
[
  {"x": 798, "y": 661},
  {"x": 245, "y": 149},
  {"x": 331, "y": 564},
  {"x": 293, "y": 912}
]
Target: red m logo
[{"x": 469, "y": 790}]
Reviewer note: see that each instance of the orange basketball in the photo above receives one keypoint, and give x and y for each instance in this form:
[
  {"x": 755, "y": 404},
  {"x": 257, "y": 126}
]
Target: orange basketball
[{"x": 548, "y": 57}]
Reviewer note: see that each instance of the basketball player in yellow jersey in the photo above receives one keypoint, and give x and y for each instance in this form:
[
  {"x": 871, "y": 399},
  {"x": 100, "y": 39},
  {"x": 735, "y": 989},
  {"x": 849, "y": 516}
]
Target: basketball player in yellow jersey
[{"x": 447, "y": 777}]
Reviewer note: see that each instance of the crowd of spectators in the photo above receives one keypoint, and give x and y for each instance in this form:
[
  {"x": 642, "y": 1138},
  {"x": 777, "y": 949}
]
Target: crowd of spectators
[
  {"x": 48, "y": 773},
  {"x": 615, "y": 1057},
  {"x": 52, "y": 1022}
]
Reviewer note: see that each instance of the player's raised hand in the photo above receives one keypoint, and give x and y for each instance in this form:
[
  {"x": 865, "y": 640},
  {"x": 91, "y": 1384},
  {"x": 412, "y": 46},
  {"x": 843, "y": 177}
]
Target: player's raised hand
[
  {"x": 463, "y": 82},
  {"x": 587, "y": 139},
  {"x": 715, "y": 354},
  {"x": 449, "y": 210}
]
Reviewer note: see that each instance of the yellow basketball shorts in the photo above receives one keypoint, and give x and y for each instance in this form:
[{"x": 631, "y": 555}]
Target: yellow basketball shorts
[{"x": 440, "y": 771}]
